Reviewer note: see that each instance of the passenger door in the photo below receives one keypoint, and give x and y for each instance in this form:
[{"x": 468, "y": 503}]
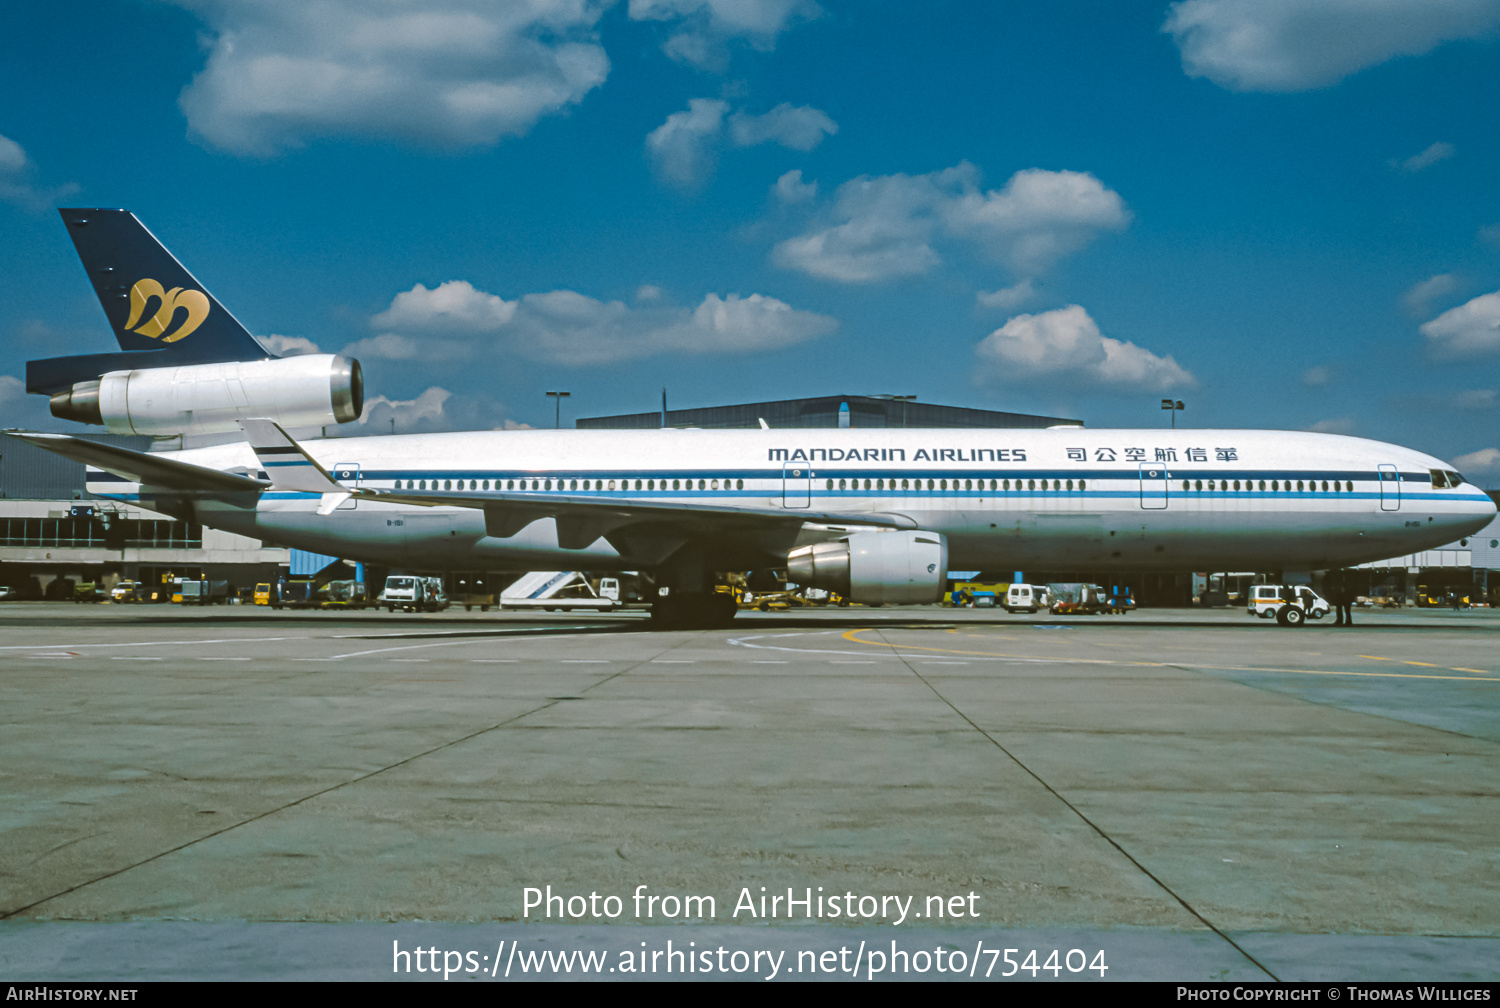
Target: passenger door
[
  {"x": 796, "y": 485},
  {"x": 1390, "y": 488},
  {"x": 347, "y": 473},
  {"x": 1153, "y": 486}
]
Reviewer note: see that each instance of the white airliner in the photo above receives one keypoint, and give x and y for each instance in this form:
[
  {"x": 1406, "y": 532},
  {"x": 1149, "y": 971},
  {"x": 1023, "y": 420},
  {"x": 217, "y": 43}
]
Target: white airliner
[{"x": 879, "y": 515}]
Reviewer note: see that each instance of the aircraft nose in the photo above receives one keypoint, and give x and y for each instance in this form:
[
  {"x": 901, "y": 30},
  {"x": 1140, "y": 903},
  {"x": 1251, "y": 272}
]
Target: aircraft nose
[{"x": 1475, "y": 515}]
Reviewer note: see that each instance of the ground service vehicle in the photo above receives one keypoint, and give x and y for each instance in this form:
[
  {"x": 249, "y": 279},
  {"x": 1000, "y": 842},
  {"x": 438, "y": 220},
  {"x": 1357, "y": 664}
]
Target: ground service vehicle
[
  {"x": 413, "y": 594},
  {"x": 1079, "y": 599},
  {"x": 1291, "y": 605},
  {"x": 1025, "y": 598}
]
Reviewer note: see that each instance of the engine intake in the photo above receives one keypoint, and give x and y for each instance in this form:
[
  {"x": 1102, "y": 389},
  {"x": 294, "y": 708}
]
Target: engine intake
[
  {"x": 886, "y": 567},
  {"x": 307, "y": 391}
]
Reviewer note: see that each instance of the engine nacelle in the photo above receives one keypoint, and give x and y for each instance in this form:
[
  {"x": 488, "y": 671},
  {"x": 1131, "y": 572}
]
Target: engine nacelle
[
  {"x": 888, "y": 567},
  {"x": 307, "y": 391}
]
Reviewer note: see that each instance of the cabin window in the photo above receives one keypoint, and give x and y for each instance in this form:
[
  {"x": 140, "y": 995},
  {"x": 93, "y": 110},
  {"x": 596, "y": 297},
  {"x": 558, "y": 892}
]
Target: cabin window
[
  {"x": 611, "y": 484},
  {"x": 1006, "y": 485},
  {"x": 1350, "y": 486},
  {"x": 1080, "y": 484},
  {"x": 676, "y": 484},
  {"x": 905, "y": 484},
  {"x": 943, "y": 484},
  {"x": 1070, "y": 484},
  {"x": 739, "y": 484},
  {"x": 830, "y": 484},
  {"x": 1299, "y": 486}
]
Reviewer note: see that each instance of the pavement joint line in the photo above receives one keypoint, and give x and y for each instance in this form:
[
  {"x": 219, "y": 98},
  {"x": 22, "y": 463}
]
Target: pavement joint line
[
  {"x": 7, "y": 914},
  {"x": 223, "y": 640},
  {"x": 512, "y": 632},
  {"x": 1090, "y": 823},
  {"x": 1184, "y": 666}
]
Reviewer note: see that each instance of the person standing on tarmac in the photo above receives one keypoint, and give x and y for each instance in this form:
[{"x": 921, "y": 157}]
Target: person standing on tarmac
[{"x": 1342, "y": 602}]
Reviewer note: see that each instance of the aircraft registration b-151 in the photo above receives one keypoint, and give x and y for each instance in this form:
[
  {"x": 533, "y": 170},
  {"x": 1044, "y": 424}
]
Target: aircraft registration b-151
[{"x": 878, "y": 515}]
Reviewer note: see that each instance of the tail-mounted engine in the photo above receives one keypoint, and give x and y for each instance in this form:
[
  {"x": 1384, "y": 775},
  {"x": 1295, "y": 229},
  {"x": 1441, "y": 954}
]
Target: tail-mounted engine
[
  {"x": 880, "y": 567},
  {"x": 306, "y": 391}
]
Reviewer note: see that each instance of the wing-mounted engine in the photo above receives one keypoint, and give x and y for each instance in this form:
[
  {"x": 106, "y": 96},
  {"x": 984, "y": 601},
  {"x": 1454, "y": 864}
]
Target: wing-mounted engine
[
  {"x": 885, "y": 567},
  {"x": 307, "y": 391}
]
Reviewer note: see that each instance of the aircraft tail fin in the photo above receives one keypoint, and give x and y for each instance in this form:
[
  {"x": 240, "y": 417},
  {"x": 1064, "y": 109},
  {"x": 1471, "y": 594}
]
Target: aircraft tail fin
[{"x": 151, "y": 300}]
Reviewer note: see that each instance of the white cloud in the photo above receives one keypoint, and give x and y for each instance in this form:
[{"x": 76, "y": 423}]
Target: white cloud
[
  {"x": 801, "y": 128},
  {"x": 1470, "y": 330},
  {"x": 1474, "y": 399},
  {"x": 790, "y": 188},
  {"x": 885, "y": 226},
  {"x": 1485, "y": 461},
  {"x": 436, "y": 409},
  {"x": 1008, "y": 297},
  {"x": 446, "y": 72},
  {"x": 705, "y": 27},
  {"x": 21, "y": 410},
  {"x": 424, "y": 412},
  {"x": 648, "y": 292},
  {"x": 1297, "y": 45},
  {"x": 12, "y": 157},
  {"x": 565, "y": 327},
  {"x": 1439, "y": 151},
  {"x": 451, "y": 307},
  {"x": 1316, "y": 376},
  {"x": 1418, "y": 299},
  {"x": 288, "y": 346},
  {"x": 1339, "y": 425},
  {"x": 1065, "y": 345},
  {"x": 16, "y": 169},
  {"x": 684, "y": 149}
]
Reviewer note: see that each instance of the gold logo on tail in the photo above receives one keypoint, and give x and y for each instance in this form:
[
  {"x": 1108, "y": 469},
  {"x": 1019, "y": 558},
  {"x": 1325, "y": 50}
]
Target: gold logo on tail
[{"x": 196, "y": 303}]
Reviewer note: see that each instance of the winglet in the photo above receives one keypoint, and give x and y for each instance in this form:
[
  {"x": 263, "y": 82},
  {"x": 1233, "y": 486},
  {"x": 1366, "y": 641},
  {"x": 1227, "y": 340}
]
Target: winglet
[{"x": 285, "y": 461}]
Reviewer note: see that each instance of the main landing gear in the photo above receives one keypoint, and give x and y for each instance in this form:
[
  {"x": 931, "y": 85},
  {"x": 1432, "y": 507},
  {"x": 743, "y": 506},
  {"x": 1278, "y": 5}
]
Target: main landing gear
[{"x": 693, "y": 611}]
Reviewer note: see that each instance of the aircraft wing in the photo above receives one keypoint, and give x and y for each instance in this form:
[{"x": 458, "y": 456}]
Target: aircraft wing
[
  {"x": 580, "y": 520},
  {"x": 143, "y": 467}
]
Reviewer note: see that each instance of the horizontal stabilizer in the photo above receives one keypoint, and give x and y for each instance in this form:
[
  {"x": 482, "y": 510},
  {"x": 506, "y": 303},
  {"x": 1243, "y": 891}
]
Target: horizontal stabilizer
[
  {"x": 285, "y": 462},
  {"x": 142, "y": 467}
]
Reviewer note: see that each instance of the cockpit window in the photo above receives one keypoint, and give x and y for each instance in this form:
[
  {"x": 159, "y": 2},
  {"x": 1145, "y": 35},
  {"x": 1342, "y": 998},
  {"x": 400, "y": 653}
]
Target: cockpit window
[{"x": 1443, "y": 479}]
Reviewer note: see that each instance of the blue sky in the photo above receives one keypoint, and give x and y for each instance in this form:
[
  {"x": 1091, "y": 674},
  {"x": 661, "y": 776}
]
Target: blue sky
[{"x": 1282, "y": 212}]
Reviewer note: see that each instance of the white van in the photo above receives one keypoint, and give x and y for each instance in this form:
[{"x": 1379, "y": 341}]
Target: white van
[
  {"x": 413, "y": 594},
  {"x": 1268, "y": 600},
  {"x": 1024, "y": 598}
]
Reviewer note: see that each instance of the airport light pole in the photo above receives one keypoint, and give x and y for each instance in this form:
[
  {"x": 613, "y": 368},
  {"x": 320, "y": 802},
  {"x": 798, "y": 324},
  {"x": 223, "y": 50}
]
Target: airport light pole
[
  {"x": 558, "y": 397},
  {"x": 1174, "y": 405}
]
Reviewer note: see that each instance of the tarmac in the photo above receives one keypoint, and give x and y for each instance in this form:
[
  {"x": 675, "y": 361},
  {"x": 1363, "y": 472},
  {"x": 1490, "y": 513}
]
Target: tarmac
[{"x": 232, "y": 793}]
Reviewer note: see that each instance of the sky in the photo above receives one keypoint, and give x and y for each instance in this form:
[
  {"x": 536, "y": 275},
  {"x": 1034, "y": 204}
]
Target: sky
[{"x": 1281, "y": 212}]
